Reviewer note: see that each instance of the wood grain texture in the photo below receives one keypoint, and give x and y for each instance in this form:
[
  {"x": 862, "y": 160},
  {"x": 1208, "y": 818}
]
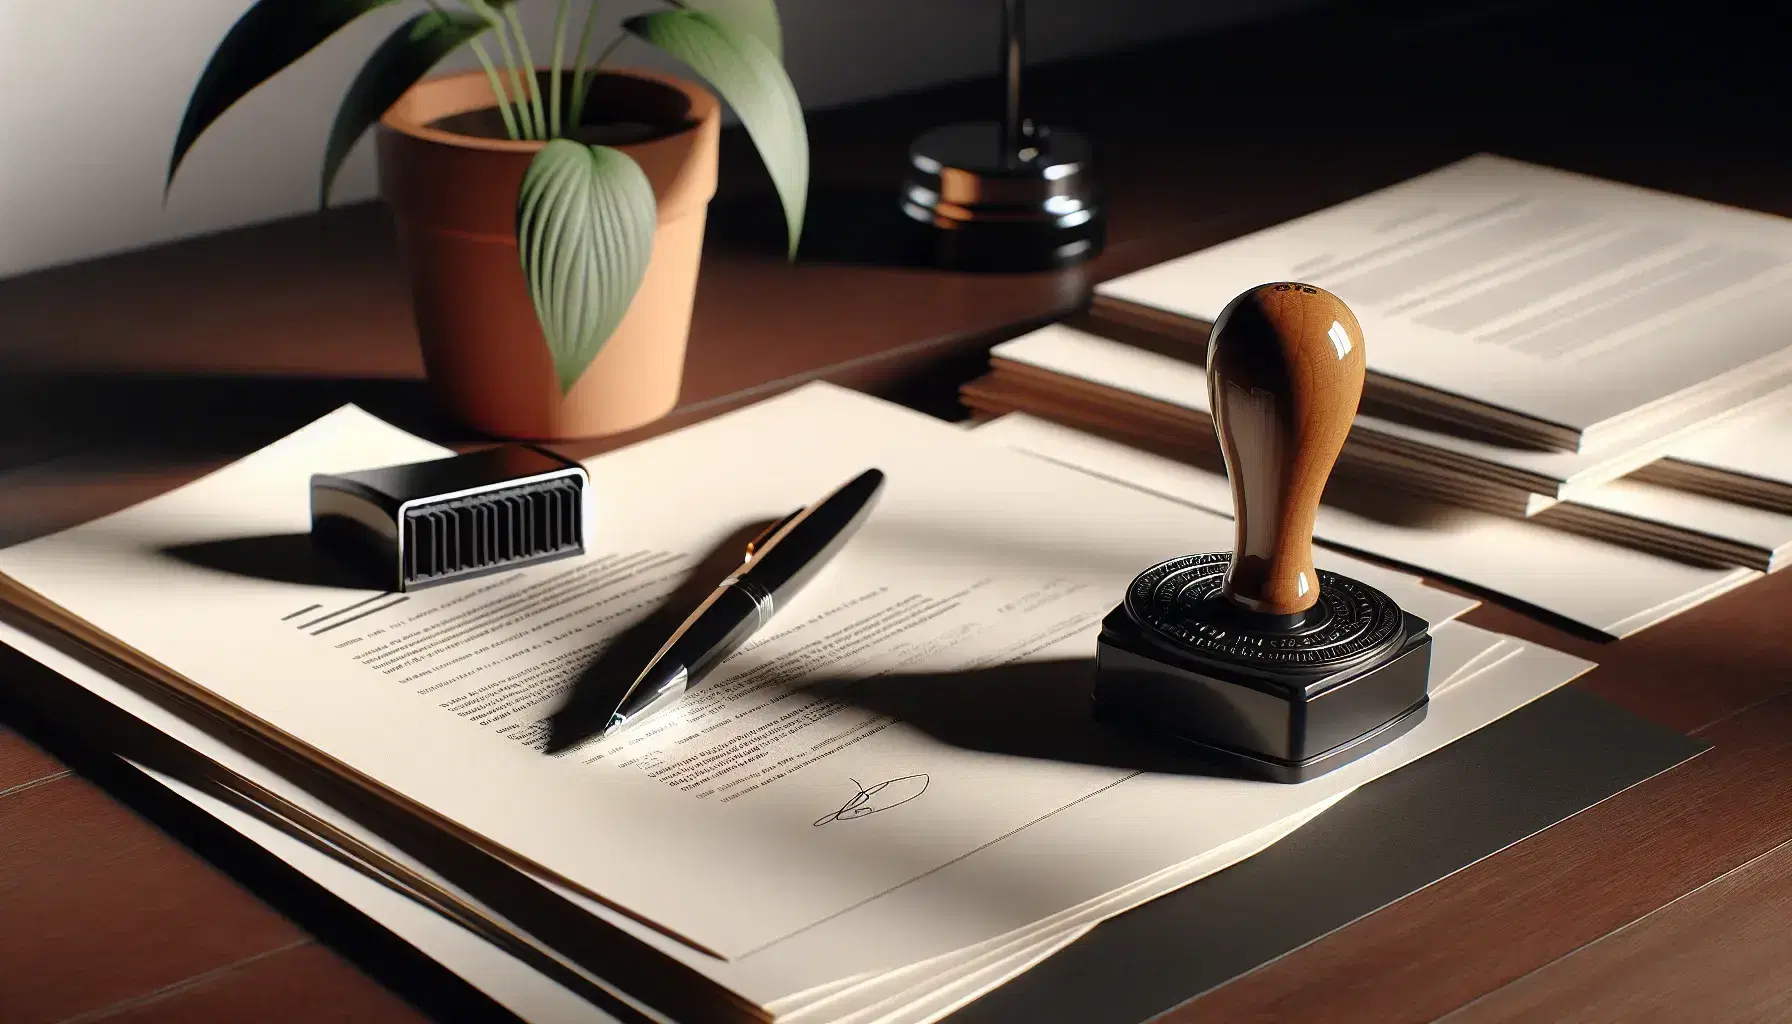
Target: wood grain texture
[
  {"x": 1721, "y": 954},
  {"x": 22, "y": 763},
  {"x": 1285, "y": 375},
  {"x": 99, "y": 907},
  {"x": 1706, "y": 663},
  {"x": 297, "y": 984}
]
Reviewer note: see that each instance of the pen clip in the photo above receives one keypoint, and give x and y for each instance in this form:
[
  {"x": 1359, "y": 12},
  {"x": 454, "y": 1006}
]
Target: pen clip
[{"x": 757, "y": 544}]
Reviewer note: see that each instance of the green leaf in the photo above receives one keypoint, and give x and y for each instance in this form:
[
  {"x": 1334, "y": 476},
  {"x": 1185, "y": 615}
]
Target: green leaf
[
  {"x": 265, "y": 41},
  {"x": 585, "y": 222},
  {"x": 759, "y": 17},
  {"x": 406, "y": 56},
  {"x": 753, "y": 82}
]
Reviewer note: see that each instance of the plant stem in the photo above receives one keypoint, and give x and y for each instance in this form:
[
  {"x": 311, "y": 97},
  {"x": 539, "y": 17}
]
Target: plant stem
[
  {"x": 491, "y": 72},
  {"x": 579, "y": 111},
  {"x": 579, "y": 82},
  {"x": 485, "y": 11},
  {"x": 485, "y": 61},
  {"x": 554, "y": 78},
  {"x": 522, "y": 46}
]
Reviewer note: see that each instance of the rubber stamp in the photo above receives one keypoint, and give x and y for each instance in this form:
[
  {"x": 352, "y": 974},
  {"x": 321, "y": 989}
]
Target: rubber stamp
[{"x": 1253, "y": 656}]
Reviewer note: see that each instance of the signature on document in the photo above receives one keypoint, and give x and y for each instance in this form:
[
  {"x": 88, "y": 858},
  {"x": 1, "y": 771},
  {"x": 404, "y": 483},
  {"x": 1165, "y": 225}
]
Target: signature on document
[{"x": 880, "y": 797}]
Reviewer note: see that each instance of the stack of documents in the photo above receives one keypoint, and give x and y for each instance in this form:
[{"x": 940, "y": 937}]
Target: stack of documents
[
  {"x": 892, "y": 800},
  {"x": 1529, "y": 303},
  {"x": 1542, "y": 346},
  {"x": 1746, "y": 459}
]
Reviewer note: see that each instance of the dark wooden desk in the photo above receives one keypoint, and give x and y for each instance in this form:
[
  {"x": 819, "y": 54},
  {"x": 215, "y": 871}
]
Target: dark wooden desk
[{"x": 123, "y": 377}]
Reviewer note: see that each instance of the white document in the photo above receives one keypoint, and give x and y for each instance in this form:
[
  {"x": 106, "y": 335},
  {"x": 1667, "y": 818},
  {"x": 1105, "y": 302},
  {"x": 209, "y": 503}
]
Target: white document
[
  {"x": 975, "y": 558},
  {"x": 510, "y": 967},
  {"x": 961, "y": 518},
  {"x": 1594, "y": 309},
  {"x": 1520, "y": 474},
  {"x": 1607, "y": 587}
]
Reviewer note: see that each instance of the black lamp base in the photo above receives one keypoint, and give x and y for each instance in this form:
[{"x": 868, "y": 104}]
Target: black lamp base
[{"x": 978, "y": 202}]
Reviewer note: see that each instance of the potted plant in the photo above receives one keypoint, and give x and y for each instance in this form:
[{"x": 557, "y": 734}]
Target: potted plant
[{"x": 551, "y": 218}]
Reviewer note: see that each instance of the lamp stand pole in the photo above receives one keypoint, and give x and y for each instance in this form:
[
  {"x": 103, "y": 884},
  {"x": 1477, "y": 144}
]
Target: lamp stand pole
[
  {"x": 1003, "y": 195},
  {"x": 1014, "y": 59}
]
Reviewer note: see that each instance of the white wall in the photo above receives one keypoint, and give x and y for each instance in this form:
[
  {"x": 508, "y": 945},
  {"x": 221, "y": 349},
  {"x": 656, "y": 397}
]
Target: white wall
[{"x": 91, "y": 92}]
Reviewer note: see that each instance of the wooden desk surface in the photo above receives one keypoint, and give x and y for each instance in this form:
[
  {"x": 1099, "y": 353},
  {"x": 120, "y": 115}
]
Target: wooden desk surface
[{"x": 126, "y": 376}]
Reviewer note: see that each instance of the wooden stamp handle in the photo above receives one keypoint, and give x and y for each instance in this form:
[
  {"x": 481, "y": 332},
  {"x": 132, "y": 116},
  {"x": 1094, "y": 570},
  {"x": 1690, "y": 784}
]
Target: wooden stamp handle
[{"x": 1284, "y": 376}]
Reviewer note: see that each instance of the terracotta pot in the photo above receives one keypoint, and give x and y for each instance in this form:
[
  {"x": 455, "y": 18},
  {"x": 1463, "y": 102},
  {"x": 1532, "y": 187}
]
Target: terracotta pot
[{"x": 454, "y": 197}]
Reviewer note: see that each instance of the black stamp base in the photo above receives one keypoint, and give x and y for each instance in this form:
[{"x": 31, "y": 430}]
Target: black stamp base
[
  {"x": 1274, "y": 769},
  {"x": 1276, "y": 703}
]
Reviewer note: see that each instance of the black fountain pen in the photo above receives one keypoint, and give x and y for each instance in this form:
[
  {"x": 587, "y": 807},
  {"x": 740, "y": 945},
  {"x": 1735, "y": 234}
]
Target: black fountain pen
[{"x": 778, "y": 563}]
